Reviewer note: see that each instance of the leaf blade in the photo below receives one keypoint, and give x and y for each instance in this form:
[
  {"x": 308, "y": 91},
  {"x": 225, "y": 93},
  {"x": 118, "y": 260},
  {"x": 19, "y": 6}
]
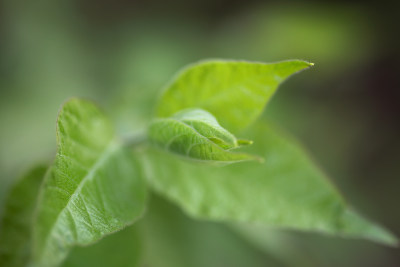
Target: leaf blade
[
  {"x": 234, "y": 91},
  {"x": 80, "y": 202},
  {"x": 286, "y": 191}
]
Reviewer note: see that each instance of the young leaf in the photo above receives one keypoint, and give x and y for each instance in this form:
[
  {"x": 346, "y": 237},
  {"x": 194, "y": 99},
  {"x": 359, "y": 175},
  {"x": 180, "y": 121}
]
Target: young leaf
[
  {"x": 286, "y": 191},
  {"x": 16, "y": 224},
  {"x": 233, "y": 91},
  {"x": 94, "y": 187},
  {"x": 196, "y": 134}
]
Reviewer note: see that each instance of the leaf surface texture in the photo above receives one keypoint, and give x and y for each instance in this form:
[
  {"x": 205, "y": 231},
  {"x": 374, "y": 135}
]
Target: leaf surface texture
[
  {"x": 196, "y": 134},
  {"x": 93, "y": 189}
]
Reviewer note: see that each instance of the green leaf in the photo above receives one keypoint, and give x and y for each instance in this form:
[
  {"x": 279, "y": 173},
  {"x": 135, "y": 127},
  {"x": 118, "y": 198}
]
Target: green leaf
[
  {"x": 122, "y": 249},
  {"x": 172, "y": 239},
  {"x": 196, "y": 134},
  {"x": 233, "y": 91},
  {"x": 94, "y": 187},
  {"x": 15, "y": 231},
  {"x": 279, "y": 244},
  {"x": 286, "y": 191}
]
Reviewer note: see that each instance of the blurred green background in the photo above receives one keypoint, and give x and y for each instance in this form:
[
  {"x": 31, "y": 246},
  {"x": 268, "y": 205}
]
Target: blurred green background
[{"x": 120, "y": 53}]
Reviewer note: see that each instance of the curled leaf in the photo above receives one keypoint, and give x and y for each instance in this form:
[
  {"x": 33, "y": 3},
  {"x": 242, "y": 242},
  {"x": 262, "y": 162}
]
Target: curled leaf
[{"x": 196, "y": 134}]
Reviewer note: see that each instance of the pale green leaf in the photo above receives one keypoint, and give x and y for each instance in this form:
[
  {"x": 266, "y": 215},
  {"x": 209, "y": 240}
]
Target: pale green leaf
[
  {"x": 94, "y": 187},
  {"x": 286, "y": 191},
  {"x": 196, "y": 134},
  {"x": 16, "y": 223},
  {"x": 233, "y": 91}
]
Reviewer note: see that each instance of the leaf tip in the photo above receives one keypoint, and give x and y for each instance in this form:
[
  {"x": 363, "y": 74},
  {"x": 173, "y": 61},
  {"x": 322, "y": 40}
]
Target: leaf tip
[{"x": 357, "y": 226}]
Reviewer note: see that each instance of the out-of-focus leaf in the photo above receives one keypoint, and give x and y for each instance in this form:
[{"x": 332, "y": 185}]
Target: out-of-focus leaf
[
  {"x": 277, "y": 243},
  {"x": 94, "y": 188},
  {"x": 233, "y": 91},
  {"x": 171, "y": 239},
  {"x": 122, "y": 249},
  {"x": 286, "y": 191},
  {"x": 15, "y": 231},
  {"x": 196, "y": 134}
]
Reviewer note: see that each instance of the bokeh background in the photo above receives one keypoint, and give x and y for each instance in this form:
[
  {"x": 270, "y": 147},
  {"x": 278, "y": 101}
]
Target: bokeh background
[{"x": 345, "y": 110}]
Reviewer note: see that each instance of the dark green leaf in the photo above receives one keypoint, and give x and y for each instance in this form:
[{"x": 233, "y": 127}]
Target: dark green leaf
[
  {"x": 16, "y": 224},
  {"x": 122, "y": 249}
]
